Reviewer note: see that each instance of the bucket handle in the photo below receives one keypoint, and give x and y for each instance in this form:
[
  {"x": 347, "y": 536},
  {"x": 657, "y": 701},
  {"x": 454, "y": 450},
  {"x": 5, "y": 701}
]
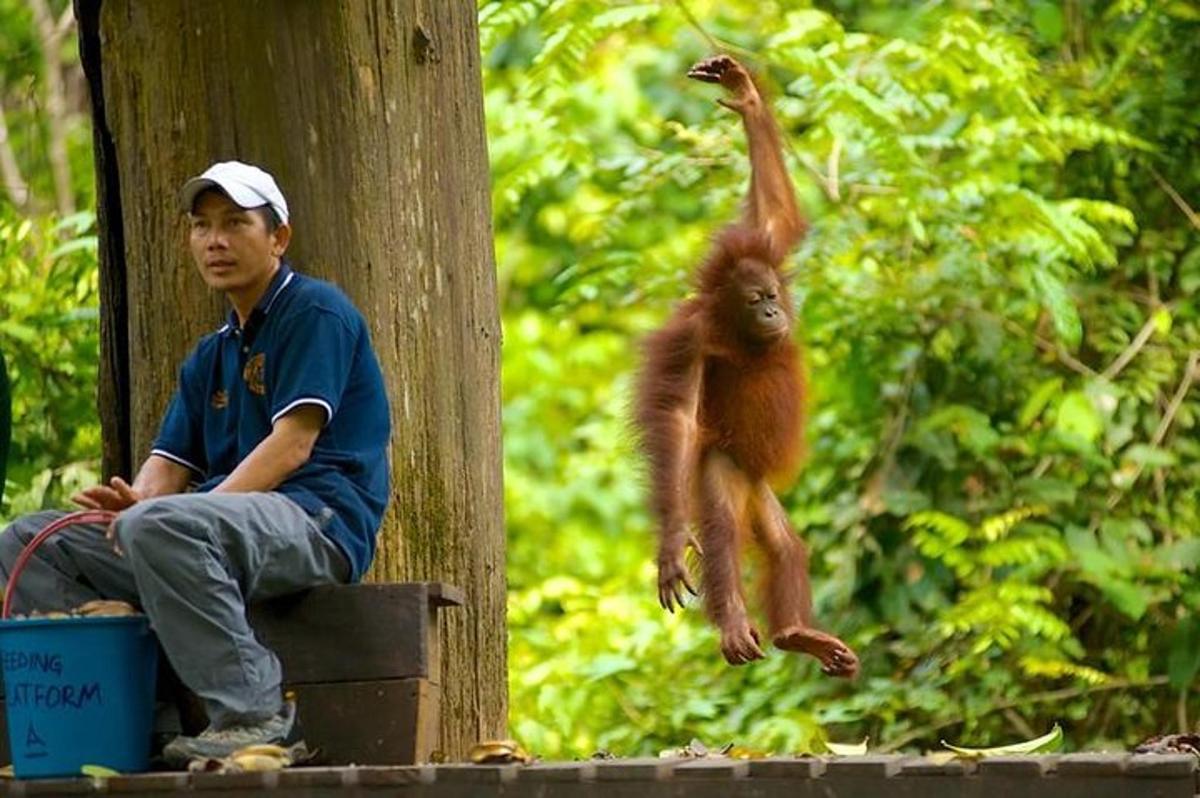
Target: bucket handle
[{"x": 70, "y": 519}]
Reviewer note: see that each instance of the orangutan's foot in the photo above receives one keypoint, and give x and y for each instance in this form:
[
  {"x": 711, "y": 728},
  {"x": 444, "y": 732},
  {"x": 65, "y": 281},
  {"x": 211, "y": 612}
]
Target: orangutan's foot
[{"x": 835, "y": 656}]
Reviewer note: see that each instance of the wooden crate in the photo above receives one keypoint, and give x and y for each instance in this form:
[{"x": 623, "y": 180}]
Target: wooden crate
[{"x": 364, "y": 662}]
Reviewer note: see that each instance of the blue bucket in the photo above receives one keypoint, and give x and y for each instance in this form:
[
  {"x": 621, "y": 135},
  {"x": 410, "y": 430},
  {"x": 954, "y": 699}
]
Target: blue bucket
[{"x": 78, "y": 691}]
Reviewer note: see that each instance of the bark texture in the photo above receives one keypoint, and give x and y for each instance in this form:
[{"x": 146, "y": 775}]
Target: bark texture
[{"x": 369, "y": 113}]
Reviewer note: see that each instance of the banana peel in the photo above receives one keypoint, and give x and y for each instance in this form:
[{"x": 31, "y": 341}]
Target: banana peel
[
  {"x": 261, "y": 758},
  {"x": 97, "y": 608},
  {"x": 1039, "y": 745},
  {"x": 256, "y": 763},
  {"x": 848, "y": 749},
  {"x": 108, "y": 608},
  {"x": 744, "y": 752},
  {"x": 498, "y": 752}
]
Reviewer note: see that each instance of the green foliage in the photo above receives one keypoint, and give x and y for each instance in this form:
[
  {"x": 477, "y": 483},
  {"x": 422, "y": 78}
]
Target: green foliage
[
  {"x": 996, "y": 304},
  {"x": 50, "y": 339}
]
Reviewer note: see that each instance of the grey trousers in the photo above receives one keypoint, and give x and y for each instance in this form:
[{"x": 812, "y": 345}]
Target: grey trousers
[{"x": 192, "y": 561}]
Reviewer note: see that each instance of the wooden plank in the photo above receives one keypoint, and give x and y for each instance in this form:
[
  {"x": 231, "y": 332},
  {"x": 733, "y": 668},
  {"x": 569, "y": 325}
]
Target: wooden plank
[
  {"x": 392, "y": 722},
  {"x": 444, "y": 595},
  {"x": 350, "y": 633}
]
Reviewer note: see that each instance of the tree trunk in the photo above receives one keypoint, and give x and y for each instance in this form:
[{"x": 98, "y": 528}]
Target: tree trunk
[
  {"x": 369, "y": 113},
  {"x": 10, "y": 172},
  {"x": 51, "y": 34}
]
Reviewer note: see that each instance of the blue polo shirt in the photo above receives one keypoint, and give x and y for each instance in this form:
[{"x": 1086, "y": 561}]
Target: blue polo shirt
[{"x": 304, "y": 344}]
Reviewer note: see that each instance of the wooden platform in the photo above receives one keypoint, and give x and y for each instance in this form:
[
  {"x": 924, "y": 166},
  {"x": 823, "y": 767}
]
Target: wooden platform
[{"x": 1069, "y": 776}]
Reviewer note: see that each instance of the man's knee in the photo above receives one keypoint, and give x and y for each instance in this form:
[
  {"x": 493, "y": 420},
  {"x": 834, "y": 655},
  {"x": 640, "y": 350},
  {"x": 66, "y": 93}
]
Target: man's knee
[
  {"x": 16, "y": 536},
  {"x": 151, "y": 522}
]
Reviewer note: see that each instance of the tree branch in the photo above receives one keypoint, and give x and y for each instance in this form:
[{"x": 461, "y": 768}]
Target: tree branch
[
  {"x": 66, "y": 22},
  {"x": 1057, "y": 350},
  {"x": 56, "y": 108},
  {"x": 695, "y": 23},
  {"x": 871, "y": 500},
  {"x": 1178, "y": 200},
  {"x": 1185, "y": 384},
  {"x": 1019, "y": 724},
  {"x": 835, "y": 157},
  {"x": 10, "y": 171},
  {"x": 1160, "y": 434},
  {"x": 1132, "y": 350}
]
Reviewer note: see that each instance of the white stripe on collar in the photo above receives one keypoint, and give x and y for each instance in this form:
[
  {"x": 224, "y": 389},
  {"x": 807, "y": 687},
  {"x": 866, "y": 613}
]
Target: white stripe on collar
[{"x": 278, "y": 291}]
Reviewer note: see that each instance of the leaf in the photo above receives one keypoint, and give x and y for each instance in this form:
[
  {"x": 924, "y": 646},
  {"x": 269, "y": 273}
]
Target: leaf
[
  {"x": 609, "y": 665},
  {"x": 1182, "y": 555},
  {"x": 997, "y": 526},
  {"x": 803, "y": 25},
  {"x": 21, "y": 332},
  {"x": 916, "y": 227},
  {"x": 1047, "y": 742},
  {"x": 1150, "y": 456},
  {"x": 1126, "y": 529},
  {"x": 1048, "y": 21},
  {"x": 1047, "y": 490},
  {"x": 969, "y": 425},
  {"x": 1162, "y": 321},
  {"x": 848, "y": 749},
  {"x": 1057, "y": 299},
  {"x": 1077, "y": 417},
  {"x": 1129, "y": 597},
  {"x": 1183, "y": 661},
  {"x": 622, "y": 16},
  {"x": 1038, "y": 400},
  {"x": 85, "y": 243}
]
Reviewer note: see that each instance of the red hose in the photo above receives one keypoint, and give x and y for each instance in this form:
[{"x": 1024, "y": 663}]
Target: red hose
[{"x": 82, "y": 517}]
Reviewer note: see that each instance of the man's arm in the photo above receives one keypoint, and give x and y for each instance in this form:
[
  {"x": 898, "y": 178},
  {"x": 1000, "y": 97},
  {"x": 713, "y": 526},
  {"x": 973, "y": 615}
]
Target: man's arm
[
  {"x": 279, "y": 454},
  {"x": 158, "y": 476}
]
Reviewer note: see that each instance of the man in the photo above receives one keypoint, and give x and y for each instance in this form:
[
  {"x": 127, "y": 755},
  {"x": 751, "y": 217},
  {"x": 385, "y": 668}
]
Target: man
[{"x": 281, "y": 417}]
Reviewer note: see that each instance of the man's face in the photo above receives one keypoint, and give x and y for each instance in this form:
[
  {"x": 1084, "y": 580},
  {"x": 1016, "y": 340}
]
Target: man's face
[{"x": 232, "y": 246}]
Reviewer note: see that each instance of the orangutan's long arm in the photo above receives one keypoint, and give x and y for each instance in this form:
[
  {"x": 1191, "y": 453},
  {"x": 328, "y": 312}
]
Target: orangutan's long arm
[{"x": 771, "y": 206}]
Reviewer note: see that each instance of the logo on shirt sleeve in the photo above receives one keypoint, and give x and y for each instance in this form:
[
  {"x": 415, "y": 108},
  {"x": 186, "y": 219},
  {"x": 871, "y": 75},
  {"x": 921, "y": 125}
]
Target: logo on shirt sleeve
[{"x": 253, "y": 374}]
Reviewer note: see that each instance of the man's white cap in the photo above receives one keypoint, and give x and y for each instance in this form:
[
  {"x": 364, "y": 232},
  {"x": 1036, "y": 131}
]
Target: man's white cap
[{"x": 246, "y": 185}]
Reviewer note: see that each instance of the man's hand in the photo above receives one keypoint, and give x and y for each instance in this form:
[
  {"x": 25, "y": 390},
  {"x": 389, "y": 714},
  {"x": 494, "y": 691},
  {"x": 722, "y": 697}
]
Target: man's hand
[
  {"x": 116, "y": 496},
  {"x": 733, "y": 77}
]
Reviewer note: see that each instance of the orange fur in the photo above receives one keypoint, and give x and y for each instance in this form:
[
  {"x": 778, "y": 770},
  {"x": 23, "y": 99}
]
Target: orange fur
[{"x": 720, "y": 408}]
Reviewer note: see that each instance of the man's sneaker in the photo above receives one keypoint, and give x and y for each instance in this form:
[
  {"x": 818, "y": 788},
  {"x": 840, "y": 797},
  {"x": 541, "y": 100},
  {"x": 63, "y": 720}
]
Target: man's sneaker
[{"x": 213, "y": 743}]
